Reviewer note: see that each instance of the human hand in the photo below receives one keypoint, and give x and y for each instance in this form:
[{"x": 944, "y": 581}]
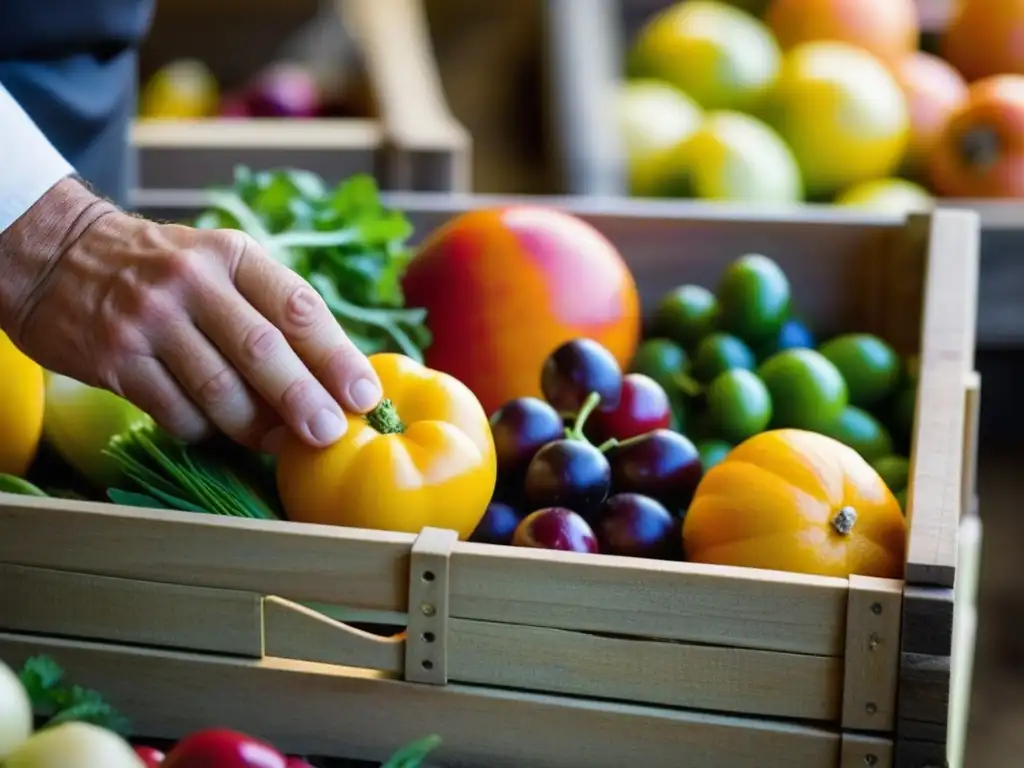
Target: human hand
[{"x": 199, "y": 328}]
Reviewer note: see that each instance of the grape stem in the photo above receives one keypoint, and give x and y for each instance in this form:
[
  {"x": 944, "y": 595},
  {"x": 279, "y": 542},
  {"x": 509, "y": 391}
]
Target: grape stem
[
  {"x": 575, "y": 432},
  {"x": 607, "y": 445}
]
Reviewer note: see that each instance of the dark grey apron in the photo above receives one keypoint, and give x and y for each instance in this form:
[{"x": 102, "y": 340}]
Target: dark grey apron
[{"x": 72, "y": 65}]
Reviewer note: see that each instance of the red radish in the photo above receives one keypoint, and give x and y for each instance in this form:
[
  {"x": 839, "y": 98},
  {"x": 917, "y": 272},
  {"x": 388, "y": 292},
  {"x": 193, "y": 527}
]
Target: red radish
[
  {"x": 643, "y": 407},
  {"x": 223, "y": 748},
  {"x": 284, "y": 90},
  {"x": 151, "y": 758}
]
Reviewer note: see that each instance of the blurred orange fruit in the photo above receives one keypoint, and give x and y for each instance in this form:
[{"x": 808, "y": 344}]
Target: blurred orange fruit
[
  {"x": 887, "y": 28},
  {"x": 985, "y": 38},
  {"x": 933, "y": 90},
  {"x": 503, "y": 287},
  {"x": 981, "y": 150}
]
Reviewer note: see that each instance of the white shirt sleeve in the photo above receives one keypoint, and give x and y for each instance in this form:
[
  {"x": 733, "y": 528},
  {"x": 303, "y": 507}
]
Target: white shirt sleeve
[{"x": 29, "y": 163}]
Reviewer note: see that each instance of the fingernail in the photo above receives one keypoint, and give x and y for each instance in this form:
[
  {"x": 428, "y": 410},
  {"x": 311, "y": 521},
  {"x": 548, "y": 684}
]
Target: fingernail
[
  {"x": 327, "y": 426},
  {"x": 365, "y": 394},
  {"x": 273, "y": 440}
]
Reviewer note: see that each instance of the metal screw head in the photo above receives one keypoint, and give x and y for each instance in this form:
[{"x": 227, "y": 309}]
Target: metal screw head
[
  {"x": 871, "y": 708},
  {"x": 428, "y": 609},
  {"x": 870, "y": 759},
  {"x": 876, "y": 608}
]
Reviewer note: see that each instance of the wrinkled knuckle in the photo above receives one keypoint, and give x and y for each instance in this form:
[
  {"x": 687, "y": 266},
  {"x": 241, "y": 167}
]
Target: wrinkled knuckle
[
  {"x": 305, "y": 310},
  {"x": 233, "y": 244},
  {"x": 299, "y": 399},
  {"x": 261, "y": 343},
  {"x": 218, "y": 389},
  {"x": 183, "y": 267}
]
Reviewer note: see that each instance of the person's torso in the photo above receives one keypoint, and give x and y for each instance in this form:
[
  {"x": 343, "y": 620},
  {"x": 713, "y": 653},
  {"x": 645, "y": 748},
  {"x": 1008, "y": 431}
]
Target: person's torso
[{"x": 71, "y": 64}]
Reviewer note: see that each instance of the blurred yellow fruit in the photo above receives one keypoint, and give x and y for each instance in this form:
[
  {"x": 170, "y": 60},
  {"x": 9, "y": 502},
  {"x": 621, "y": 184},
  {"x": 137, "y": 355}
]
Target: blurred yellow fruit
[
  {"x": 842, "y": 113},
  {"x": 653, "y": 117},
  {"x": 731, "y": 157},
  {"x": 184, "y": 89},
  {"x": 721, "y": 56},
  {"x": 21, "y": 408},
  {"x": 888, "y": 195}
]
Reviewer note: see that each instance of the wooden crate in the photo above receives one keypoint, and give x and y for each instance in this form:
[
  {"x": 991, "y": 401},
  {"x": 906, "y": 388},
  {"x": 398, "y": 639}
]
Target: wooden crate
[
  {"x": 526, "y": 657},
  {"x": 413, "y": 143}
]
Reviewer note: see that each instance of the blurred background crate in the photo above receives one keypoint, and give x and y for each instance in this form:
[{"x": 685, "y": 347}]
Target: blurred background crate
[{"x": 380, "y": 109}]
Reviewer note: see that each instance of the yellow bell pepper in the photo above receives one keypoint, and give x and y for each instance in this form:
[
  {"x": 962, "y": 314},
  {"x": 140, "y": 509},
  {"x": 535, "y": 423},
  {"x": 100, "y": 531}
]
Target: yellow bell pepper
[{"x": 423, "y": 457}]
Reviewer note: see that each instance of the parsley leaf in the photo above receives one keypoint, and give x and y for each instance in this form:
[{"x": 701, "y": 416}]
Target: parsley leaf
[
  {"x": 43, "y": 680},
  {"x": 343, "y": 240}
]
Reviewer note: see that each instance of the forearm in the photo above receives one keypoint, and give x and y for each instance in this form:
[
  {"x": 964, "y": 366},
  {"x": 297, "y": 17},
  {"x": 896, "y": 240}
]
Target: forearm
[{"x": 41, "y": 208}]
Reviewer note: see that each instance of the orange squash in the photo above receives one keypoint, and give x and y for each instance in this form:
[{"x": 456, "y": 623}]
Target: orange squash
[
  {"x": 792, "y": 500},
  {"x": 981, "y": 150}
]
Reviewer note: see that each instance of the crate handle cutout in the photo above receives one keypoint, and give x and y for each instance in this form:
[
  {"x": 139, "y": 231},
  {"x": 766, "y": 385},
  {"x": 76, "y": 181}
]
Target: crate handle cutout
[
  {"x": 872, "y": 653},
  {"x": 863, "y": 751},
  {"x": 426, "y": 646},
  {"x": 293, "y": 631}
]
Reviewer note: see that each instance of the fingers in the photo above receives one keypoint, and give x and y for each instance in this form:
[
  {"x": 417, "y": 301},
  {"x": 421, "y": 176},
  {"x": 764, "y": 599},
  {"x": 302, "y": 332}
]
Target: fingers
[
  {"x": 216, "y": 387},
  {"x": 291, "y": 304},
  {"x": 147, "y": 383},
  {"x": 261, "y": 354}
]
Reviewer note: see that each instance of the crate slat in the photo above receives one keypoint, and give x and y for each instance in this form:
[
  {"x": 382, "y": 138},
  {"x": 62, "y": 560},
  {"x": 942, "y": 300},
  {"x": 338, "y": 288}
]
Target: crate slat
[
  {"x": 872, "y": 653},
  {"x": 705, "y": 677},
  {"x": 130, "y": 611},
  {"x": 320, "y": 709}
]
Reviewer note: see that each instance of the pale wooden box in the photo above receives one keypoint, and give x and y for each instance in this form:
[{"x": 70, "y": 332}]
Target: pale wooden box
[
  {"x": 525, "y": 657},
  {"x": 415, "y": 143}
]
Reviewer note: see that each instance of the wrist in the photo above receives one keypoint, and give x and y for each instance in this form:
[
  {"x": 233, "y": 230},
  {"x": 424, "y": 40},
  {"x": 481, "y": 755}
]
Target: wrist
[{"x": 32, "y": 246}]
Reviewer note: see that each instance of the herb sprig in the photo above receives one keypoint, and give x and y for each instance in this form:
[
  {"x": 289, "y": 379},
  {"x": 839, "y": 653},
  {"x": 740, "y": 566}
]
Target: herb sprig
[
  {"x": 216, "y": 477},
  {"x": 59, "y": 702},
  {"x": 350, "y": 248}
]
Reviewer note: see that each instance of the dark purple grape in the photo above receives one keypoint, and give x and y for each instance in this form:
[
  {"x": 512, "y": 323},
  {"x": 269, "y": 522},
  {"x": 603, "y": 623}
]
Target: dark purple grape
[
  {"x": 637, "y": 526},
  {"x": 568, "y": 473},
  {"x": 555, "y": 528},
  {"x": 575, "y": 370},
  {"x": 497, "y": 525},
  {"x": 662, "y": 464},
  {"x": 520, "y": 427}
]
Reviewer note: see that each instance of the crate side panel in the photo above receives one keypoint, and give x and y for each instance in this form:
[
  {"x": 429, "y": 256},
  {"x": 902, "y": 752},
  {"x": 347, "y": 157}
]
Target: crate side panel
[
  {"x": 296, "y": 706},
  {"x": 340, "y": 566},
  {"x": 738, "y": 607},
  {"x": 51, "y": 602},
  {"x": 782, "y": 685}
]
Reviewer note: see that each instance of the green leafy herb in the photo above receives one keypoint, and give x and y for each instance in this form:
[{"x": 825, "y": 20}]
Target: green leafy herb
[
  {"x": 51, "y": 697},
  {"x": 413, "y": 755},
  {"x": 349, "y": 247},
  {"x": 216, "y": 477}
]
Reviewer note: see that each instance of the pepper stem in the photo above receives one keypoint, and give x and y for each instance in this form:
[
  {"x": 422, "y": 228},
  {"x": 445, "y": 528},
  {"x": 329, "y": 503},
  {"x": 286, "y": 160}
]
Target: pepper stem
[
  {"x": 589, "y": 406},
  {"x": 844, "y": 520},
  {"x": 384, "y": 418}
]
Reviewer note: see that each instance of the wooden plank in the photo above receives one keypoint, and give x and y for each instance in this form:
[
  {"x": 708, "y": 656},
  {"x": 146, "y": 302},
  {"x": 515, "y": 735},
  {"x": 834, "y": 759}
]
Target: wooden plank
[
  {"x": 293, "y": 631},
  {"x": 924, "y": 688},
  {"x": 319, "y": 709},
  {"x": 919, "y": 754},
  {"x": 736, "y": 607},
  {"x": 947, "y": 357},
  {"x": 863, "y": 751},
  {"x": 54, "y": 602},
  {"x": 965, "y": 631},
  {"x": 872, "y": 654},
  {"x": 341, "y": 566},
  {"x": 660, "y": 673},
  {"x": 927, "y": 621}
]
